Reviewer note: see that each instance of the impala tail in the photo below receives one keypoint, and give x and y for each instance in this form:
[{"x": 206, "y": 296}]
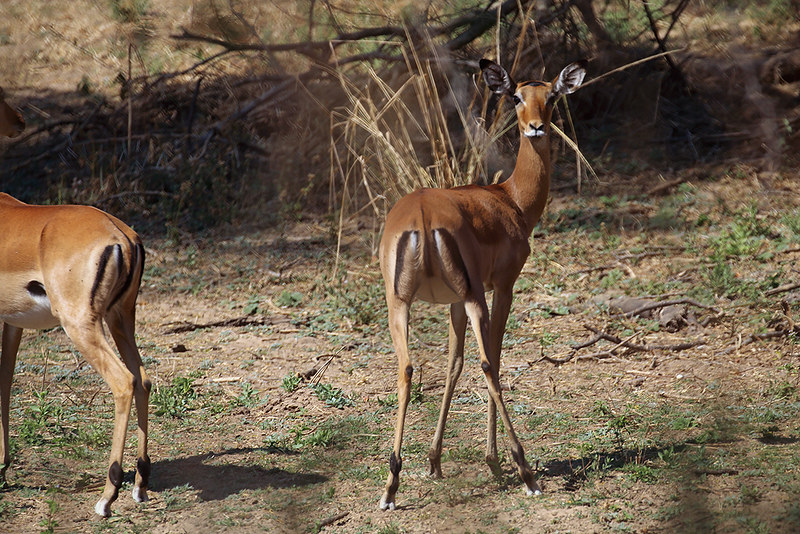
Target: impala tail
[
  {"x": 118, "y": 274},
  {"x": 130, "y": 266},
  {"x": 407, "y": 263}
]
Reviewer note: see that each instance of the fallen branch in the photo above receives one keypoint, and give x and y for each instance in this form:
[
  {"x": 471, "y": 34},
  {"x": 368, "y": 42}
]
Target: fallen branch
[
  {"x": 664, "y": 304},
  {"x": 610, "y": 353},
  {"x": 643, "y": 348},
  {"x": 585, "y": 344},
  {"x": 602, "y": 355},
  {"x": 247, "y": 320},
  {"x": 664, "y": 186},
  {"x": 716, "y": 471},
  {"x": 782, "y": 289},
  {"x": 333, "y": 519},
  {"x": 557, "y": 361},
  {"x": 593, "y": 269}
]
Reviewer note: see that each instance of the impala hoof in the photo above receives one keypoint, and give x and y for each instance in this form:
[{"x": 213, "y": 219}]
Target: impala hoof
[
  {"x": 139, "y": 495},
  {"x": 103, "y": 508},
  {"x": 534, "y": 492},
  {"x": 386, "y": 505}
]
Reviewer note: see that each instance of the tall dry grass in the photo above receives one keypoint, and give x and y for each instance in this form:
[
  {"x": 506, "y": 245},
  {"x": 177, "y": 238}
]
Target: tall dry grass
[{"x": 393, "y": 138}]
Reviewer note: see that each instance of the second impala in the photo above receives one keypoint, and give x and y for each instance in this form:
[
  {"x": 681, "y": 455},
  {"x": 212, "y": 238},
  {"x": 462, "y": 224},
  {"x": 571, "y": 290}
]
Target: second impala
[{"x": 450, "y": 246}]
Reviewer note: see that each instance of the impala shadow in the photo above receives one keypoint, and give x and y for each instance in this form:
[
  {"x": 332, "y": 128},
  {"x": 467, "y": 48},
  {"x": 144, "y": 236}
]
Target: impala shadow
[
  {"x": 574, "y": 470},
  {"x": 215, "y": 480}
]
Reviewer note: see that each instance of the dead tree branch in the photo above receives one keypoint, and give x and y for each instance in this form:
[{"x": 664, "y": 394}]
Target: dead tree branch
[
  {"x": 246, "y": 320},
  {"x": 619, "y": 342},
  {"x": 643, "y": 348},
  {"x": 664, "y": 304},
  {"x": 782, "y": 289}
]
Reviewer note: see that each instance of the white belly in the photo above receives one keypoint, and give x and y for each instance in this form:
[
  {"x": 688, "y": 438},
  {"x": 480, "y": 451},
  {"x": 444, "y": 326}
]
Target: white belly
[
  {"x": 34, "y": 313},
  {"x": 23, "y": 301},
  {"x": 434, "y": 290}
]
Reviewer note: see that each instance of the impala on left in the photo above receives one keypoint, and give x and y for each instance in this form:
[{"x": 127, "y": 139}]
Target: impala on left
[{"x": 74, "y": 266}]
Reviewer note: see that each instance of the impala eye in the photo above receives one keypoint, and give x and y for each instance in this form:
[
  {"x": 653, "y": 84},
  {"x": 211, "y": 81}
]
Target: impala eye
[{"x": 516, "y": 99}]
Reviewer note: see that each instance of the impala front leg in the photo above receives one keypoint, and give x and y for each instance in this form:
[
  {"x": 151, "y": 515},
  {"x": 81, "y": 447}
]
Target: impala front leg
[
  {"x": 8, "y": 358},
  {"x": 455, "y": 363},
  {"x": 398, "y": 325}
]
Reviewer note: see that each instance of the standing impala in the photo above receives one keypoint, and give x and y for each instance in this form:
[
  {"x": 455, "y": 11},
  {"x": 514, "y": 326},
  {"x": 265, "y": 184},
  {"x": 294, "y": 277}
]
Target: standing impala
[
  {"x": 11, "y": 123},
  {"x": 75, "y": 266},
  {"x": 450, "y": 246}
]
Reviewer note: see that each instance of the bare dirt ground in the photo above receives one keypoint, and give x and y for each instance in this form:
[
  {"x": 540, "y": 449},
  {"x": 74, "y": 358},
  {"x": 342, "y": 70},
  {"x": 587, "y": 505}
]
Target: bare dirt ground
[
  {"x": 697, "y": 440},
  {"x": 656, "y": 440}
]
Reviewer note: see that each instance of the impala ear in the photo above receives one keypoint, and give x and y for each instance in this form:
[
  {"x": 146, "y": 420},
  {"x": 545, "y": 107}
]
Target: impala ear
[
  {"x": 496, "y": 78},
  {"x": 568, "y": 80}
]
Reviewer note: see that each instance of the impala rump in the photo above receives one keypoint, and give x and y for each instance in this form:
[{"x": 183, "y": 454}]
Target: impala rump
[{"x": 429, "y": 268}]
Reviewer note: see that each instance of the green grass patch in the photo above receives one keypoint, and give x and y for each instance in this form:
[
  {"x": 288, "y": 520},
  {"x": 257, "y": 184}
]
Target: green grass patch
[{"x": 175, "y": 400}]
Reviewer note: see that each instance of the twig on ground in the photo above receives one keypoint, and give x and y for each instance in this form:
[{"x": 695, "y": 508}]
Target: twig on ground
[
  {"x": 664, "y": 186},
  {"x": 318, "y": 375},
  {"x": 557, "y": 361},
  {"x": 589, "y": 343},
  {"x": 600, "y": 335},
  {"x": 782, "y": 289},
  {"x": 246, "y": 320},
  {"x": 593, "y": 269},
  {"x": 602, "y": 355},
  {"x": 716, "y": 471},
  {"x": 333, "y": 519}
]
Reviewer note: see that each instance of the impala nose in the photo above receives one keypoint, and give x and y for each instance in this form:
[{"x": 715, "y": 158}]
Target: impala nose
[{"x": 534, "y": 130}]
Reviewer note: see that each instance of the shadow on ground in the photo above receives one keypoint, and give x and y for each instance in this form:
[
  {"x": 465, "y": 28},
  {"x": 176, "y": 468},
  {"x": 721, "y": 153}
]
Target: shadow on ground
[{"x": 215, "y": 481}]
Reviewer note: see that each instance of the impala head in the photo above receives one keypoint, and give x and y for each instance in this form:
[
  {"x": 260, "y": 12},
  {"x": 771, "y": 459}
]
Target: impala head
[
  {"x": 534, "y": 100},
  {"x": 11, "y": 123}
]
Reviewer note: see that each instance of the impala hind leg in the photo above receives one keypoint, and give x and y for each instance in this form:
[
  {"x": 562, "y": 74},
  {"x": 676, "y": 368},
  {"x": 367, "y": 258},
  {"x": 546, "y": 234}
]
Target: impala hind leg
[
  {"x": 8, "y": 358},
  {"x": 455, "y": 363},
  {"x": 121, "y": 325},
  {"x": 479, "y": 316},
  {"x": 398, "y": 325},
  {"x": 501, "y": 306},
  {"x": 94, "y": 346}
]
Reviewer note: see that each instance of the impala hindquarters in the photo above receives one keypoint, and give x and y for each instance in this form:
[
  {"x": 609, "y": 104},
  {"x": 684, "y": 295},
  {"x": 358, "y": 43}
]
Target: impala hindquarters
[{"x": 76, "y": 266}]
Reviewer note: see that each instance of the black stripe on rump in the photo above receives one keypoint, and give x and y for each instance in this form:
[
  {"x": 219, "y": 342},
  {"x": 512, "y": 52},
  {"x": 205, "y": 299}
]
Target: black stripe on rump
[
  {"x": 402, "y": 244},
  {"x": 101, "y": 269},
  {"x": 450, "y": 254}
]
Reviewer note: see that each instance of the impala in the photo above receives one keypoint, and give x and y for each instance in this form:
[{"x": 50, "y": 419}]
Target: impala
[
  {"x": 450, "y": 246},
  {"x": 75, "y": 266},
  {"x": 11, "y": 123}
]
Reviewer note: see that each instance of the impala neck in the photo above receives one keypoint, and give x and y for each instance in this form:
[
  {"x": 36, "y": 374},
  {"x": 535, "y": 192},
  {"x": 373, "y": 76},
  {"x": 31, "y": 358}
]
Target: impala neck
[{"x": 529, "y": 184}]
